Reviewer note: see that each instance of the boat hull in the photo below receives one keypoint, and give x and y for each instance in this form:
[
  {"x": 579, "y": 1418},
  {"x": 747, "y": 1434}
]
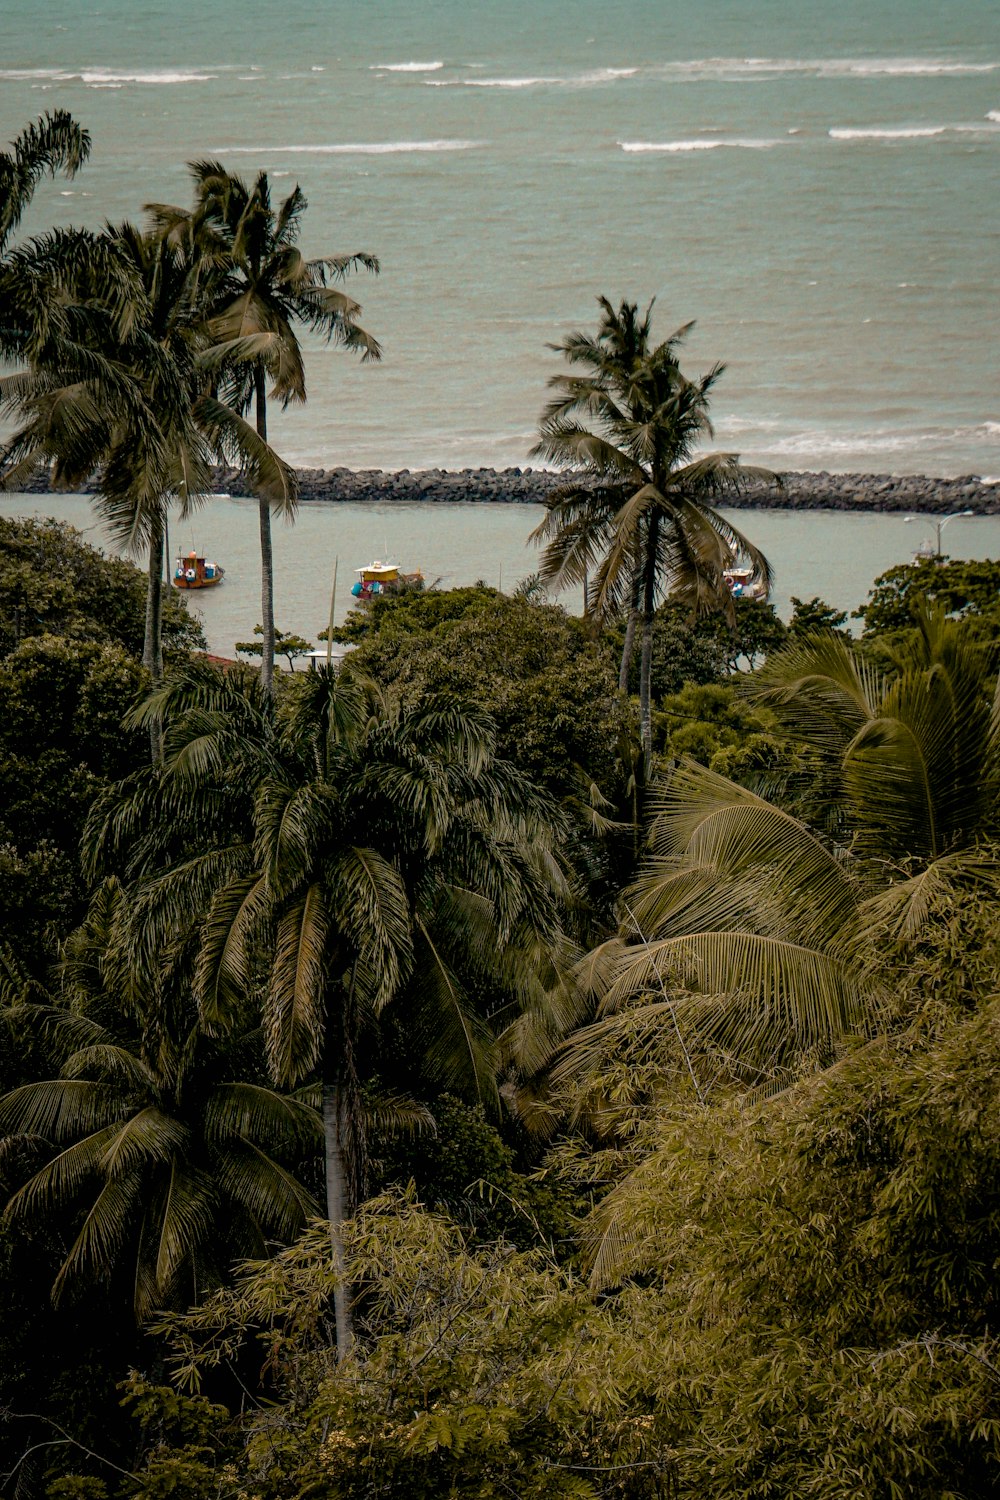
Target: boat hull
[{"x": 198, "y": 583}]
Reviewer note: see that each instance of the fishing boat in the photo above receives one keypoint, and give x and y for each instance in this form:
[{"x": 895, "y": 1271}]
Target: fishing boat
[
  {"x": 193, "y": 572},
  {"x": 742, "y": 583},
  {"x": 380, "y": 577}
]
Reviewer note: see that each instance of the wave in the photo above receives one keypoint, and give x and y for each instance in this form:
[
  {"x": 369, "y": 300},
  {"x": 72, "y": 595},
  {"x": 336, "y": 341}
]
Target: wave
[
  {"x": 994, "y": 115},
  {"x": 571, "y": 80},
  {"x": 698, "y": 145},
  {"x": 817, "y": 441},
  {"x": 406, "y": 67},
  {"x": 351, "y": 148},
  {"x": 824, "y": 67},
  {"x": 105, "y": 78},
  {"x": 903, "y": 132}
]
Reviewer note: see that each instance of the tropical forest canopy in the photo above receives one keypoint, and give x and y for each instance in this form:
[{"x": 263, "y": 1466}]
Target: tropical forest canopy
[{"x": 549, "y": 1056}]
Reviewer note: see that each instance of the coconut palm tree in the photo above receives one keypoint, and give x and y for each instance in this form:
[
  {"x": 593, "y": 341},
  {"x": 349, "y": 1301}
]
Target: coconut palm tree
[
  {"x": 632, "y": 423},
  {"x": 263, "y": 291},
  {"x": 752, "y": 932},
  {"x": 124, "y": 392},
  {"x": 389, "y": 872},
  {"x": 165, "y": 1164}
]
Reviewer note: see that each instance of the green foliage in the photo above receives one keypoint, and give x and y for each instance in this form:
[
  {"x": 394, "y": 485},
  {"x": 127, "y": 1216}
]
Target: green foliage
[
  {"x": 54, "y": 583},
  {"x": 967, "y": 589},
  {"x": 809, "y": 615},
  {"x": 468, "y": 1171},
  {"x": 61, "y": 706},
  {"x": 546, "y": 682},
  {"x": 290, "y": 646},
  {"x": 476, "y": 1372}
]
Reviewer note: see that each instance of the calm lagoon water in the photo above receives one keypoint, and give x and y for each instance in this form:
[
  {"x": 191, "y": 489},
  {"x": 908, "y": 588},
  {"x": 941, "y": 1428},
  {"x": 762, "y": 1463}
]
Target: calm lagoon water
[
  {"x": 815, "y": 184},
  {"x": 813, "y": 552}
]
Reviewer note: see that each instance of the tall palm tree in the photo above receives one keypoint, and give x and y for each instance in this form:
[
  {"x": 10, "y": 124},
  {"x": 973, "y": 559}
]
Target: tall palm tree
[
  {"x": 164, "y": 1164},
  {"x": 632, "y": 423},
  {"x": 124, "y": 391},
  {"x": 263, "y": 291},
  {"x": 390, "y": 868}
]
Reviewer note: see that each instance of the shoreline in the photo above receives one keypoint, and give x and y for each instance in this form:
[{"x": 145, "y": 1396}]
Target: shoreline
[{"x": 804, "y": 490}]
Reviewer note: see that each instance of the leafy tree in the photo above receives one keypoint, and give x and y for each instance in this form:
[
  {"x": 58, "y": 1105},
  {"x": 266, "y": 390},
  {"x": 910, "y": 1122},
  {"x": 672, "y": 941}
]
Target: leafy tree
[
  {"x": 290, "y": 646},
  {"x": 263, "y": 288},
  {"x": 662, "y": 536},
  {"x": 52, "y": 582},
  {"x": 543, "y": 678},
  {"x": 968, "y": 589},
  {"x": 811, "y": 615}
]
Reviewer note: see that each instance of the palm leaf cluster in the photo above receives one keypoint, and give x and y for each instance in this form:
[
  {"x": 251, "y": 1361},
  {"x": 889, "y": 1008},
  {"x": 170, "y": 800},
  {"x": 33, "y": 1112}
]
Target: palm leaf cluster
[
  {"x": 372, "y": 875},
  {"x": 165, "y": 1162},
  {"x": 753, "y": 939},
  {"x": 639, "y": 523}
]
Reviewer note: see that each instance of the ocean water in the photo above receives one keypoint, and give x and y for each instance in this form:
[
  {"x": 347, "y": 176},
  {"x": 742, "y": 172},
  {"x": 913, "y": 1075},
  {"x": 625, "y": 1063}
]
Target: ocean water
[
  {"x": 828, "y": 553},
  {"x": 815, "y": 185}
]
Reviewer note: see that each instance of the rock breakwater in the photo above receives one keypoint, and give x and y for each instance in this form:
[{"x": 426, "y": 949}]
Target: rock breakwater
[{"x": 802, "y": 491}]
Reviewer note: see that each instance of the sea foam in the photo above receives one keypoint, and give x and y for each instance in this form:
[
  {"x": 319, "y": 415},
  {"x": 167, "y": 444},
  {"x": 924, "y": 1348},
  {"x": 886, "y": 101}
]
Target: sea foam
[
  {"x": 406, "y": 67},
  {"x": 902, "y": 132},
  {"x": 737, "y": 68},
  {"x": 106, "y": 78},
  {"x": 698, "y": 145},
  {"x": 592, "y": 79}
]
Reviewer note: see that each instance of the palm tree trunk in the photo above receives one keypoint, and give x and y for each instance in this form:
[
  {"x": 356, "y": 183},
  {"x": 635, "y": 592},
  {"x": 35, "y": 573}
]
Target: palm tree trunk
[
  {"x": 336, "y": 1208},
  {"x": 266, "y": 553},
  {"x": 152, "y": 646},
  {"x": 629, "y": 646},
  {"x": 646, "y": 660}
]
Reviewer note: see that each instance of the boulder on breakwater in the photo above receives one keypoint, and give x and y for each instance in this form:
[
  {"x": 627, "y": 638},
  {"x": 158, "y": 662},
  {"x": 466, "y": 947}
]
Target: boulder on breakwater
[{"x": 801, "y": 491}]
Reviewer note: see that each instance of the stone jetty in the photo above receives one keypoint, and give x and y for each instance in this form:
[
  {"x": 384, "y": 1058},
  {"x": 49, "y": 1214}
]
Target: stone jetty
[{"x": 801, "y": 491}]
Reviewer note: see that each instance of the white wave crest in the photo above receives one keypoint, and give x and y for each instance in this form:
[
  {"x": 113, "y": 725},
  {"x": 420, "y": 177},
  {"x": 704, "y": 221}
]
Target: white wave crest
[
  {"x": 106, "y": 78},
  {"x": 350, "y": 148},
  {"x": 994, "y": 115},
  {"x": 698, "y": 145},
  {"x": 591, "y": 79},
  {"x": 506, "y": 83},
  {"x": 901, "y": 133},
  {"x": 817, "y": 441},
  {"x": 99, "y": 76},
  {"x": 406, "y": 67},
  {"x": 735, "y": 68}
]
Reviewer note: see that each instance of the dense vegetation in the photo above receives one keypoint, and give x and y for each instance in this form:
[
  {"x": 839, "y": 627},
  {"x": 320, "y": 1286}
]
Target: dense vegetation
[{"x": 506, "y": 1067}]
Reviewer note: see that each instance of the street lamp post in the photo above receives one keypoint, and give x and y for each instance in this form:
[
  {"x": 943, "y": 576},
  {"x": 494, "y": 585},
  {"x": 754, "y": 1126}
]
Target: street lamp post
[{"x": 940, "y": 524}]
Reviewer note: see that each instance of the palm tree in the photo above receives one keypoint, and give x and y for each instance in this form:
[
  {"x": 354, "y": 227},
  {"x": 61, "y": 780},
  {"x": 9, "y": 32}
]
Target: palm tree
[
  {"x": 263, "y": 289},
  {"x": 165, "y": 1163},
  {"x": 122, "y": 390},
  {"x": 631, "y": 422},
  {"x": 752, "y": 932},
  {"x": 391, "y": 869},
  {"x": 52, "y": 143}
]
